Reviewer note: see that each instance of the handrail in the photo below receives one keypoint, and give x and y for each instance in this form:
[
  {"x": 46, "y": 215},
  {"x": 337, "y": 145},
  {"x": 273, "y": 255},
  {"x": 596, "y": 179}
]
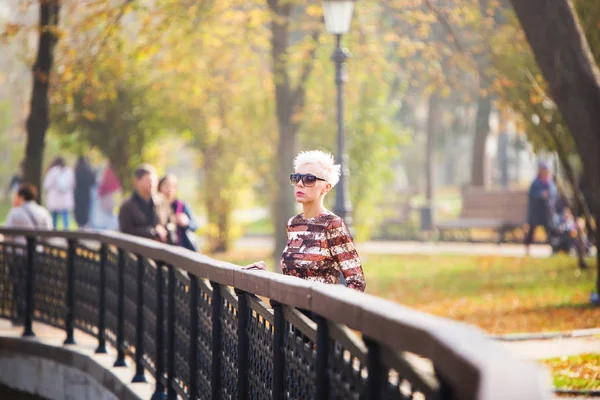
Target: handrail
[{"x": 471, "y": 364}]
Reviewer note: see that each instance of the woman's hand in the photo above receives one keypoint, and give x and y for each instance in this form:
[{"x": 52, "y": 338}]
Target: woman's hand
[
  {"x": 259, "y": 265},
  {"x": 182, "y": 220}
]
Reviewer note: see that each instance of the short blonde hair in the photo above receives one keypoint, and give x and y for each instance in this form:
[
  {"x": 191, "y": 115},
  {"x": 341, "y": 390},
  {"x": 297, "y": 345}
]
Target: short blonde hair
[{"x": 330, "y": 171}]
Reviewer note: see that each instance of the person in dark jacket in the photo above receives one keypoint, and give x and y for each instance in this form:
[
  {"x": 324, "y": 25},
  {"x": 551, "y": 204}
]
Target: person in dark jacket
[
  {"x": 84, "y": 180},
  {"x": 146, "y": 213},
  {"x": 184, "y": 217},
  {"x": 541, "y": 204}
]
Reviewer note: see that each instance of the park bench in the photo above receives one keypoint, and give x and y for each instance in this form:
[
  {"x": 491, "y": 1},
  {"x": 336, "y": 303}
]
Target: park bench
[
  {"x": 501, "y": 211},
  {"x": 396, "y": 213}
]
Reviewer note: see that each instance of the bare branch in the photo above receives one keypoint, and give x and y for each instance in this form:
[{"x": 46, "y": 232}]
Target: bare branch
[
  {"x": 446, "y": 25},
  {"x": 299, "y": 92}
]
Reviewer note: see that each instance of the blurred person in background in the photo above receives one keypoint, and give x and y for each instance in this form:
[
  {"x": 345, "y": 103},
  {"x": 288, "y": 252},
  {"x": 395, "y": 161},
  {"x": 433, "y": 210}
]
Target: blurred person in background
[
  {"x": 541, "y": 206},
  {"x": 145, "y": 213},
  {"x": 26, "y": 213},
  {"x": 106, "y": 200},
  {"x": 184, "y": 217},
  {"x": 15, "y": 180},
  {"x": 84, "y": 181},
  {"x": 59, "y": 185}
]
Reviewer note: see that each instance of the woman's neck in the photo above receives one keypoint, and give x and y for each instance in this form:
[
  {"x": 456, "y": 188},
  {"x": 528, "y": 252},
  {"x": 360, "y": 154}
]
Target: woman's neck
[{"x": 311, "y": 210}]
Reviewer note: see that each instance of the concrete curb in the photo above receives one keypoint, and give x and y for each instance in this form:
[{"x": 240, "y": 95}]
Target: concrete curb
[
  {"x": 586, "y": 393},
  {"x": 517, "y": 337}
]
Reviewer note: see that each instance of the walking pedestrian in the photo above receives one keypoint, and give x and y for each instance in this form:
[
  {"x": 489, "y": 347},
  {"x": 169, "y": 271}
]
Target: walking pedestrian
[
  {"x": 541, "y": 204},
  {"x": 59, "y": 185},
  {"x": 84, "y": 181},
  {"x": 106, "y": 198}
]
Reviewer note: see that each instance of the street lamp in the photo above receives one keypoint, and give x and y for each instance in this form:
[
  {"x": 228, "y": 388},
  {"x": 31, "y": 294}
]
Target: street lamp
[{"x": 338, "y": 15}]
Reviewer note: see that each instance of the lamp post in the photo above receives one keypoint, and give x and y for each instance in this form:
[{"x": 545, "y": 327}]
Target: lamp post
[{"x": 338, "y": 15}]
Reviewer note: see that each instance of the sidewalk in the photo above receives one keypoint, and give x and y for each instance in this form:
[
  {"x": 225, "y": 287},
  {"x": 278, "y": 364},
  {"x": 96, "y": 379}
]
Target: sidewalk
[
  {"x": 424, "y": 248},
  {"x": 551, "y": 348}
]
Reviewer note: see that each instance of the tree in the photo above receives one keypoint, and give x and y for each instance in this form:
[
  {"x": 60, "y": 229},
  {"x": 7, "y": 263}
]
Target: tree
[
  {"x": 290, "y": 101},
  {"x": 38, "y": 120},
  {"x": 566, "y": 62}
]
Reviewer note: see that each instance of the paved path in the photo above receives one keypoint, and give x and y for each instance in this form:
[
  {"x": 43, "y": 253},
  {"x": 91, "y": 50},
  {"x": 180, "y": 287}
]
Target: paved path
[
  {"x": 550, "y": 348},
  {"x": 86, "y": 344},
  {"x": 428, "y": 248}
]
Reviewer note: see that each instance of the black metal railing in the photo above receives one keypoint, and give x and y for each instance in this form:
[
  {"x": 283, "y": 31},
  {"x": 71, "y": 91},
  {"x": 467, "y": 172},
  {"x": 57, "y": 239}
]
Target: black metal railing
[{"x": 206, "y": 329}]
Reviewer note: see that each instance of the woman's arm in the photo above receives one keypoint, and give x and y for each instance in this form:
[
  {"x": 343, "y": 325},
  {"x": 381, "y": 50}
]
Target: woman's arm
[
  {"x": 50, "y": 178},
  {"x": 343, "y": 252},
  {"x": 193, "y": 222}
]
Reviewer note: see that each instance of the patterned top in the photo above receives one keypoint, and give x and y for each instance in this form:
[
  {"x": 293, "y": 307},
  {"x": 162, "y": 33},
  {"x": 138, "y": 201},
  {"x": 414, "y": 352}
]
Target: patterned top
[{"x": 318, "y": 248}]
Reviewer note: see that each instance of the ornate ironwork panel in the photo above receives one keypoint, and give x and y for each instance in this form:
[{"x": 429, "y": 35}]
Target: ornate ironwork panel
[
  {"x": 300, "y": 358},
  {"x": 260, "y": 357},
  {"x": 164, "y": 323},
  {"x": 150, "y": 306},
  {"x": 13, "y": 273},
  {"x": 87, "y": 279},
  {"x": 111, "y": 269},
  {"x": 182, "y": 331},
  {"x": 396, "y": 388},
  {"x": 130, "y": 302},
  {"x": 204, "y": 341},
  {"x": 51, "y": 285},
  {"x": 347, "y": 378},
  {"x": 229, "y": 348}
]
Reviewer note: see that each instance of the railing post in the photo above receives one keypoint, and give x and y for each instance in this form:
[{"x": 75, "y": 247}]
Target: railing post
[
  {"x": 102, "y": 301},
  {"x": 139, "y": 324},
  {"x": 445, "y": 389},
  {"x": 321, "y": 373},
  {"x": 375, "y": 369},
  {"x": 120, "y": 362},
  {"x": 215, "y": 381},
  {"x": 159, "y": 391},
  {"x": 30, "y": 288},
  {"x": 278, "y": 351},
  {"x": 193, "y": 356},
  {"x": 171, "y": 393},
  {"x": 69, "y": 318},
  {"x": 242, "y": 334}
]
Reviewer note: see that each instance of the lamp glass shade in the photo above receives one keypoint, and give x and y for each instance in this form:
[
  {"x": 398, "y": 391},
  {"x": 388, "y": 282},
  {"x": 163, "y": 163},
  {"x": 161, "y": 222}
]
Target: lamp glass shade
[{"x": 338, "y": 15}]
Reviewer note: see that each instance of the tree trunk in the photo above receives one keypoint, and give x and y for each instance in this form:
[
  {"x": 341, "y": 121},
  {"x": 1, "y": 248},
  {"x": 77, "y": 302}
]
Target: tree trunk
[
  {"x": 289, "y": 107},
  {"x": 563, "y": 55},
  {"x": 38, "y": 120},
  {"x": 482, "y": 130},
  {"x": 433, "y": 120}
]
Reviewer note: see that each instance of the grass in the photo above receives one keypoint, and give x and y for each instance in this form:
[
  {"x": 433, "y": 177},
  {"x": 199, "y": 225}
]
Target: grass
[
  {"x": 5, "y": 207},
  {"x": 498, "y": 294},
  {"x": 260, "y": 227},
  {"x": 581, "y": 372}
]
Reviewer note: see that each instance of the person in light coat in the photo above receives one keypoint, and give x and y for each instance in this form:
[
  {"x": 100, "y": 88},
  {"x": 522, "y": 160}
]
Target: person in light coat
[
  {"x": 59, "y": 186},
  {"x": 26, "y": 213}
]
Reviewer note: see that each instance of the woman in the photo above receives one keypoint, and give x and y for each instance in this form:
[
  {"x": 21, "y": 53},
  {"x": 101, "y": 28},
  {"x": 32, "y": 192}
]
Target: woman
[
  {"x": 319, "y": 246},
  {"x": 59, "y": 185},
  {"x": 186, "y": 223},
  {"x": 105, "y": 196}
]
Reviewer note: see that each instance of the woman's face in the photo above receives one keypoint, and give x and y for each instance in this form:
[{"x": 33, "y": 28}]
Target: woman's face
[
  {"x": 17, "y": 200},
  {"x": 305, "y": 194},
  {"x": 169, "y": 189}
]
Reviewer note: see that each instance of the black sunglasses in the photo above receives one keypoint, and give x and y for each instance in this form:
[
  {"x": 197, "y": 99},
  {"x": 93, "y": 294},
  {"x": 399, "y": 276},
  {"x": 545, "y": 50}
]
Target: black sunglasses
[{"x": 307, "y": 179}]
